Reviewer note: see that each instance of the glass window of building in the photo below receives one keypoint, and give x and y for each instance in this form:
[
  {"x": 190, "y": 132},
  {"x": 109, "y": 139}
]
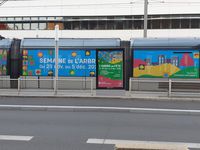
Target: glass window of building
[
  {"x": 3, "y": 19},
  {"x": 10, "y": 19},
  {"x": 34, "y": 18},
  {"x": 67, "y": 25},
  {"x": 165, "y": 24},
  {"x": 138, "y": 24},
  {"x": 42, "y": 26},
  {"x": 102, "y": 25},
  {"x": 128, "y": 22},
  {"x": 110, "y": 25},
  {"x": 18, "y": 26},
  {"x": 59, "y": 18},
  {"x": 175, "y": 23},
  {"x": 26, "y": 26},
  {"x": 149, "y": 24},
  {"x": 119, "y": 24},
  {"x": 156, "y": 24},
  {"x": 34, "y": 26},
  {"x": 60, "y": 24},
  {"x": 93, "y": 25},
  {"x": 11, "y": 26},
  {"x": 3, "y": 26},
  {"x": 84, "y": 25},
  {"x": 75, "y": 25},
  {"x": 43, "y": 18},
  {"x": 185, "y": 23},
  {"x": 195, "y": 23},
  {"x": 18, "y": 19},
  {"x": 26, "y": 18},
  {"x": 50, "y": 26},
  {"x": 51, "y": 18}
]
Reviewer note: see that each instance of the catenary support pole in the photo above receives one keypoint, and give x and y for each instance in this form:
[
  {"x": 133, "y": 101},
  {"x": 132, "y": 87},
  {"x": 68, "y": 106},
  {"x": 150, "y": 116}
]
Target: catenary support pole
[{"x": 145, "y": 17}]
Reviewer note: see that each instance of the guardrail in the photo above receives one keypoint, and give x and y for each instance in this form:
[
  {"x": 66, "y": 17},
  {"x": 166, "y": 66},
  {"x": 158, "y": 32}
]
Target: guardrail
[
  {"x": 52, "y": 86},
  {"x": 58, "y": 84},
  {"x": 165, "y": 87}
]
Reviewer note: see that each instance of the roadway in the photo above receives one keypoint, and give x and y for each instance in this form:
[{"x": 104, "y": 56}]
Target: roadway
[{"x": 61, "y": 130}]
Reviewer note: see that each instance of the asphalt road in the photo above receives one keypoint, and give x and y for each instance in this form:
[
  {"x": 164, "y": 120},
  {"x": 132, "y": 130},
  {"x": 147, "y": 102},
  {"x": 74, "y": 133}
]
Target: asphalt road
[
  {"x": 101, "y": 102},
  {"x": 53, "y": 130}
]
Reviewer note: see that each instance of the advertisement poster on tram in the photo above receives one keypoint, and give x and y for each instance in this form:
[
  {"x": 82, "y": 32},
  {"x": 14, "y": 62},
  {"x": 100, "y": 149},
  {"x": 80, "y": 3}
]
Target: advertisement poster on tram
[
  {"x": 166, "y": 63},
  {"x": 110, "y": 69},
  {"x": 71, "y": 63},
  {"x": 3, "y": 62}
]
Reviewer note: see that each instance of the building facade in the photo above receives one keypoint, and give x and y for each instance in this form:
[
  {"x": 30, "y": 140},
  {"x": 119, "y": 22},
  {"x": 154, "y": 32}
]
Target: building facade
[{"x": 99, "y": 19}]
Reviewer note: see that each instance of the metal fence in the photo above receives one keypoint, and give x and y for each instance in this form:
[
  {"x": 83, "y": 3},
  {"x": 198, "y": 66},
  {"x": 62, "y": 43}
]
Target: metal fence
[
  {"x": 50, "y": 86},
  {"x": 165, "y": 87}
]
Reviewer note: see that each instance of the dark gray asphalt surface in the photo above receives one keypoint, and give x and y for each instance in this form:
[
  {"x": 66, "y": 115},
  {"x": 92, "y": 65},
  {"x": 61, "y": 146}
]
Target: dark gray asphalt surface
[
  {"x": 70, "y": 130},
  {"x": 100, "y": 102}
]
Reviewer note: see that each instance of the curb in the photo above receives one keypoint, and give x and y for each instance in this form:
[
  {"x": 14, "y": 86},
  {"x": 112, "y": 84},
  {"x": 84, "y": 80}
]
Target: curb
[{"x": 160, "y": 98}]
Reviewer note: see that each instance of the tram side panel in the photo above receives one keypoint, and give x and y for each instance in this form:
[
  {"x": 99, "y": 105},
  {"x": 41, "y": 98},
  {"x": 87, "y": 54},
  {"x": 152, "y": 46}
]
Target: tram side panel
[
  {"x": 160, "y": 63},
  {"x": 73, "y": 63}
]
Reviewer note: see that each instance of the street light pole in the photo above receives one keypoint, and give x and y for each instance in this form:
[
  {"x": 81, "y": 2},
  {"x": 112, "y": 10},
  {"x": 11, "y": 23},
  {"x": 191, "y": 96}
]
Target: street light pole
[{"x": 145, "y": 17}]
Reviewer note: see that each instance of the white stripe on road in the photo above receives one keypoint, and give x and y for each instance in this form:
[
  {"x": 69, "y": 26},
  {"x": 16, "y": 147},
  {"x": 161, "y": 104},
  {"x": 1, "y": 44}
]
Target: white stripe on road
[
  {"x": 114, "y": 142},
  {"x": 15, "y": 138},
  {"x": 99, "y": 108}
]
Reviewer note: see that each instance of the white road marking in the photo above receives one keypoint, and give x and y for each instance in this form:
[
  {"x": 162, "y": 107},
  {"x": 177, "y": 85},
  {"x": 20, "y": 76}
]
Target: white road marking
[
  {"x": 114, "y": 142},
  {"x": 15, "y": 138},
  {"x": 131, "y": 109}
]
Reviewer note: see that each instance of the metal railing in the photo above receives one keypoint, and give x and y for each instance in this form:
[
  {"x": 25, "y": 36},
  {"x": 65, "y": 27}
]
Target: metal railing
[
  {"x": 54, "y": 85},
  {"x": 168, "y": 87}
]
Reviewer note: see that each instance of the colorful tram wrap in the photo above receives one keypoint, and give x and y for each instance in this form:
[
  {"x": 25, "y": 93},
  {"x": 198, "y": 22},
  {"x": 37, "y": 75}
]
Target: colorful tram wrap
[
  {"x": 165, "y": 63},
  {"x": 71, "y": 62},
  {"x": 111, "y": 62}
]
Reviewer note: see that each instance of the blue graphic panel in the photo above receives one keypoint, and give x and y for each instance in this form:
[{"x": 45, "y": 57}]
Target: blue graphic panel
[{"x": 77, "y": 63}]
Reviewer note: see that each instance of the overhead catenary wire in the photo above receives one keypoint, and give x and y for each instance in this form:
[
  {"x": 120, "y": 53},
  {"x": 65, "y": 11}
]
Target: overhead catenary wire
[{"x": 104, "y": 4}]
